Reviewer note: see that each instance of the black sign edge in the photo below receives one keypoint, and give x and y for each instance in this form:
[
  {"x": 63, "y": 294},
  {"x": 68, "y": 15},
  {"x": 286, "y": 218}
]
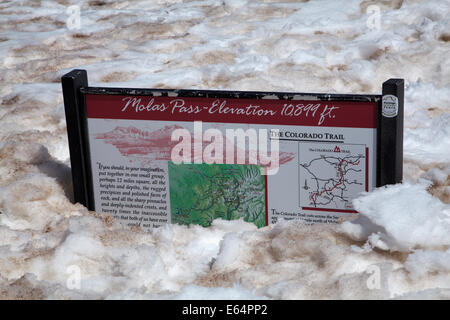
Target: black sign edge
[{"x": 227, "y": 94}]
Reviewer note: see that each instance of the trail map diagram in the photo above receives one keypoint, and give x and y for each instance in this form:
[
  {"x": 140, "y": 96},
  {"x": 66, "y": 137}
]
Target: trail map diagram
[
  {"x": 331, "y": 175},
  {"x": 200, "y": 193}
]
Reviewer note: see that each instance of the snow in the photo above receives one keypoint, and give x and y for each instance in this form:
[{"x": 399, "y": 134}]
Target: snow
[
  {"x": 427, "y": 224},
  {"x": 402, "y": 233}
]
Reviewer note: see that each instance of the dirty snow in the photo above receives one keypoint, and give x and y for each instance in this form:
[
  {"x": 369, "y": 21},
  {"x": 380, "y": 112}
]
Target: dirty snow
[{"x": 402, "y": 234}]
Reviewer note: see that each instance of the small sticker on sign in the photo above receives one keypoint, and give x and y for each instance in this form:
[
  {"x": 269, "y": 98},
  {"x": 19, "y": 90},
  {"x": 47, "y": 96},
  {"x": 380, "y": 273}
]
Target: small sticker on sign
[{"x": 389, "y": 107}]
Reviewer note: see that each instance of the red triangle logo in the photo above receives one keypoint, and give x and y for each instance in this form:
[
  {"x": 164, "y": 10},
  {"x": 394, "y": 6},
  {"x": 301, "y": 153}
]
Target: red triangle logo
[{"x": 337, "y": 149}]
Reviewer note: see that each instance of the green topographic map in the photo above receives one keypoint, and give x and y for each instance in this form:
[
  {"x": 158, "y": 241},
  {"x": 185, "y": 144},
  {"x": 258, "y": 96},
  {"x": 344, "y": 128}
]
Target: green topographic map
[{"x": 200, "y": 193}]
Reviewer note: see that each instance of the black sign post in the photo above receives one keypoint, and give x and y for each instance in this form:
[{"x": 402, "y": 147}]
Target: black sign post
[
  {"x": 333, "y": 121},
  {"x": 75, "y": 110},
  {"x": 390, "y": 143}
]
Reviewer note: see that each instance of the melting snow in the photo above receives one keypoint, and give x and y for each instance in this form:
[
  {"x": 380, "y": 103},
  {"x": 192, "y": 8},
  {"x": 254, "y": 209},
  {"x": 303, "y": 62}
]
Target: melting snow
[{"x": 402, "y": 234}]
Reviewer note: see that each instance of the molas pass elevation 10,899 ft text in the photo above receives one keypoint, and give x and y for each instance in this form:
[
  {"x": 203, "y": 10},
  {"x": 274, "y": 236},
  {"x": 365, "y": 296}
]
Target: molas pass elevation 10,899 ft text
[{"x": 153, "y": 156}]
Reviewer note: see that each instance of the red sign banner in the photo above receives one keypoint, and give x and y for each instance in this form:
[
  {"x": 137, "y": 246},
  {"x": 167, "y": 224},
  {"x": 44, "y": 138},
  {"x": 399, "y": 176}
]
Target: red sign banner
[{"x": 354, "y": 114}]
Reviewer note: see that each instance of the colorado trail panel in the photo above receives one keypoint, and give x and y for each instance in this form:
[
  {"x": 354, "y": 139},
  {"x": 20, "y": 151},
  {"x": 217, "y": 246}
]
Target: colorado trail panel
[{"x": 331, "y": 175}]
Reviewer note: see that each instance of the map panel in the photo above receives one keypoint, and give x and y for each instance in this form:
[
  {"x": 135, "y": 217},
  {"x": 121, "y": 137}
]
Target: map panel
[
  {"x": 331, "y": 175},
  {"x": 200, "y": 193}
]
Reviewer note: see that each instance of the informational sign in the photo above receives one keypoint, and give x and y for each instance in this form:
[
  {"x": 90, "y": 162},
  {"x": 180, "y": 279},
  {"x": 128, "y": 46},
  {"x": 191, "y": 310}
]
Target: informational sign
[{"x": 151, "y": 157}]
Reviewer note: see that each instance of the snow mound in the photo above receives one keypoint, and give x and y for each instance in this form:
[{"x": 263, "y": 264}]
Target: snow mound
[
  {"x": 402, "y": 217},
  {"x": 53, "y": 249}
]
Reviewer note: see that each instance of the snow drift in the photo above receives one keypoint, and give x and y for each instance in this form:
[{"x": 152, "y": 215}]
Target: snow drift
[{"x": 51, "y": 248}]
